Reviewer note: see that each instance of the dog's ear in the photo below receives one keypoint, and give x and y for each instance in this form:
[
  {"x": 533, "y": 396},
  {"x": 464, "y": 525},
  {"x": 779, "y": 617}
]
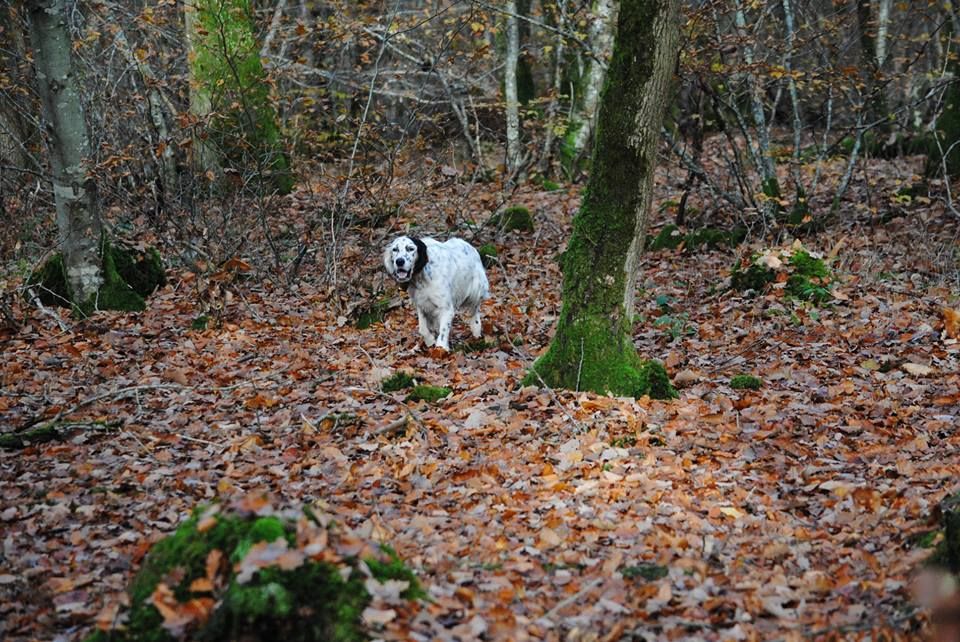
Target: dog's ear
[
  {"x": 387, "y": 263},
  {"x": 421, "y": 256}
]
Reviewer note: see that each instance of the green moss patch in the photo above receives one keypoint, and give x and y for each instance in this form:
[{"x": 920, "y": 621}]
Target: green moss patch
[
  {"x": 129, "y": 277},
  {"x": 807, "y": 277},
  {"x": 514, "y": 218},
  {"x": 398, "y": 381},
  {"x": 371, "y": 313},
  {"x": 648, "y": 572},
  {"x": 746, "y": 382},
  {"x": 670, "y": 237},
  {"x": 230, "y": 574},
  {"x": 488, "y": 254},
  {"x": 430, "y": 394}
]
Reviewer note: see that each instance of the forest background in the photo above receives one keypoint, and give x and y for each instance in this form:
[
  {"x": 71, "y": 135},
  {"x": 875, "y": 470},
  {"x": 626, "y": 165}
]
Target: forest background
[{"x": 800, "y": 285}]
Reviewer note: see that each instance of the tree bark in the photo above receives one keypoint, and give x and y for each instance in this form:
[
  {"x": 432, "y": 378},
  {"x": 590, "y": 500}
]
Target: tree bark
[
  {"x": 159, "y": 110},
  {"x": 581, "y": 124},
  {"x": 510, "y": 90},
  {"x": 204, "y": 156},
  {"x": 768, "y": 169},
  {"x": 78, "y": 220},
  {"x": 593, "y": 346}
]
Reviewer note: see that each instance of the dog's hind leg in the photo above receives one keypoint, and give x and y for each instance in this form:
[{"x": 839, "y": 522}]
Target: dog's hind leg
[{"x": 424, "y": 328}]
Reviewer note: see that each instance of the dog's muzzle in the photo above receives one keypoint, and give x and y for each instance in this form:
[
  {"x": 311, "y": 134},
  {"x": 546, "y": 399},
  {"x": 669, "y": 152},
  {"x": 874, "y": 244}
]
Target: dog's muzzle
[{"x": 401, "y": 271}]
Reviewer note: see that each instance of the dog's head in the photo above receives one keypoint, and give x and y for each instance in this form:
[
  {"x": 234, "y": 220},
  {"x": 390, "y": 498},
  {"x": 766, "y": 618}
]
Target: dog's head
[{"x": 405, "y": 258}]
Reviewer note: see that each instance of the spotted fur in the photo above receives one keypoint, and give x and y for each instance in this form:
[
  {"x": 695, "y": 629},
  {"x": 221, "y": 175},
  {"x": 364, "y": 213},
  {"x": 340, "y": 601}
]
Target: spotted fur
[{"x": 440, "y": 278}]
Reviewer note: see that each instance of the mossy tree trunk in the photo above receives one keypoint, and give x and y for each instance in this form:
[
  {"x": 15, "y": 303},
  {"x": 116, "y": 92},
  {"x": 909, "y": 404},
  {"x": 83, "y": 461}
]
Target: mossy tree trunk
[
  {"x": 593, "y": 346},
  {"x": 229, "y": 90},
  {"x": 78, "y": 220},
  {"x": 580, "y": 125}
]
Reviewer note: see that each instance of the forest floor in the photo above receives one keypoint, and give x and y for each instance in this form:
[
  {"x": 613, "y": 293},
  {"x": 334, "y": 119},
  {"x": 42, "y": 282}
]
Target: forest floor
[{"x": 792, "y": 512}]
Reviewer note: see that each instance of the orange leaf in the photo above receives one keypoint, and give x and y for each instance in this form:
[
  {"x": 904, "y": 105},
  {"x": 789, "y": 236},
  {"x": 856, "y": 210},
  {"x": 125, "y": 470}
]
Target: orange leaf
[
  {"x": 951, "y": 323},
  {"x": 201, "y": 585}
]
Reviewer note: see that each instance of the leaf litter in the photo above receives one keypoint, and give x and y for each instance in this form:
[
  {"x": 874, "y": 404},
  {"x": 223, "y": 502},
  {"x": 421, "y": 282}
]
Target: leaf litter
[{"x": 787, "y": 512}]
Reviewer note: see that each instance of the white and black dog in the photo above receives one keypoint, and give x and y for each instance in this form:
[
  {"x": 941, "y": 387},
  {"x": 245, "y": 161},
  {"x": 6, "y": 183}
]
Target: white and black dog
[{"x": 440, "y": 278}]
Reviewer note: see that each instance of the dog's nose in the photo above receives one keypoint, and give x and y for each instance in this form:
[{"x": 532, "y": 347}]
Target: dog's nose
[{"x": 400, "y": 262}]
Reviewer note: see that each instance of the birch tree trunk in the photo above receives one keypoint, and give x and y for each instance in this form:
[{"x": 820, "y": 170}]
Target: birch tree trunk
[
  {"x": 510, "y": 90},
  {"x": 78, "y": 221},
  {"x": 581, "y": 124},
  {"x": 593, "y": 346},
  {"x": 883, "y": 29}
]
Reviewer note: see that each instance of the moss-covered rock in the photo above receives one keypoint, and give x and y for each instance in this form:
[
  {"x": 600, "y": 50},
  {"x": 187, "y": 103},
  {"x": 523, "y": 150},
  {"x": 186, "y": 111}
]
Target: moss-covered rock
[
  {"x": 398, "y": 381},
  {"x": 514, "y": 218},
  {"x": 234, "y": 575},
  {"x": 129, "y": 277},
  {"x": 745, "y": 382},
  {"x": 488, "y": 254},
  {"x": 430, "y": 394}
]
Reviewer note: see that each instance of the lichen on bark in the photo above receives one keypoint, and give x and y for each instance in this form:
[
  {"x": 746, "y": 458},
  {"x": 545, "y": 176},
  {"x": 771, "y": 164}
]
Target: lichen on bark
[{"x": 593, "y": 347}]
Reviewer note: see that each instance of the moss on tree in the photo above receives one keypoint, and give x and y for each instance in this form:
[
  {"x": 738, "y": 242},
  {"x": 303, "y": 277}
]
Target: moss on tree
[
  {"x": 129, "y": 277},
  {"x": 313, "y": 601},
  {"x": 593, "y": 345}
]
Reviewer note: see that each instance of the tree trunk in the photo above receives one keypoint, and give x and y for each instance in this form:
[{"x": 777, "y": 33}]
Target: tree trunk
[
  {"x": 872, "y": 47},
  {"x": 584, "y": 115},
  {"x": 593, "y": 346},
  {"x": 557, "y": 87},
  {"x": 510, "y": 90},
  {"x": 204, "y": 155},
  {"x": 159, "y": 110},
  {"x": 78, "y": 220},
  {"x": 768, "y": 169}
]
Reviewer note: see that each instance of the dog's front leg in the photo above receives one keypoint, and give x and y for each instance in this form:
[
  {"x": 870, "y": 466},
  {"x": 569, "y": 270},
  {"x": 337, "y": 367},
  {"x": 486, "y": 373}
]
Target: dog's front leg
[
  {"x": 424, "y": 328},
  {"x": 443, "y": 329}
]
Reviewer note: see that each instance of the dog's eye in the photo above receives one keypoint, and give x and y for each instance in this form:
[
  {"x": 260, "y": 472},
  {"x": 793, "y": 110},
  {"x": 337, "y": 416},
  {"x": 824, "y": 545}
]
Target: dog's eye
[{"x": 409, "y": 249}]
